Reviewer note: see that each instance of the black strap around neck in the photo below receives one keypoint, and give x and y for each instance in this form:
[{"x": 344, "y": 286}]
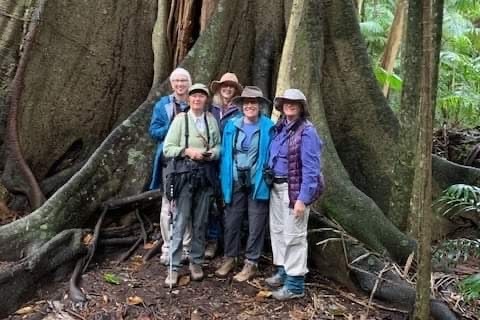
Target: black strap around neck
[{"x": 187, "y": 133}]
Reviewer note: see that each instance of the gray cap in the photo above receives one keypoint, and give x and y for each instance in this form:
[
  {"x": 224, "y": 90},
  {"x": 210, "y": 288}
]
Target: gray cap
[{"x": 198, "y": 87}]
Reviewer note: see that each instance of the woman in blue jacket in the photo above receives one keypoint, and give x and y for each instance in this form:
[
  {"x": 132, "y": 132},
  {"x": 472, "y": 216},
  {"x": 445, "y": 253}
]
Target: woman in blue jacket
[
  {"x": 164, "y": 111},
  {"x": 245, "y": 145}
]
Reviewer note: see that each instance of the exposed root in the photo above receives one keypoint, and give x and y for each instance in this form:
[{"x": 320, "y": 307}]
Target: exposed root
[{"x": 16, "y": 166}]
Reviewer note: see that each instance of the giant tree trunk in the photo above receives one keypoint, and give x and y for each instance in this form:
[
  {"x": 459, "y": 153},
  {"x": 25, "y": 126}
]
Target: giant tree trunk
[
  {"x": 330, "y": 65},
  {"x": 86, "y": 72}
]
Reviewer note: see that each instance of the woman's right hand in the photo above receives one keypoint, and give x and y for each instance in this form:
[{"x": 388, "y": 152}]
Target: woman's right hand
[{"x": 194, "y": 154}]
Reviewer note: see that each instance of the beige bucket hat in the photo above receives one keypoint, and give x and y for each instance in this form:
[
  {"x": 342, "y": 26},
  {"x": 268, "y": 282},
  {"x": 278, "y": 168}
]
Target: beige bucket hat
[
  {"x": 292, "y": 95},
  {"x": 251, "y": 92},
  {"x": 198, "y": 87},
  {"x": 229, "y": 78}
]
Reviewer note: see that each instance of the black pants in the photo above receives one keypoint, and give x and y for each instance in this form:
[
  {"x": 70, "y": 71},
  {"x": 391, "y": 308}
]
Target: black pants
[{"x": 257, "y": 211}]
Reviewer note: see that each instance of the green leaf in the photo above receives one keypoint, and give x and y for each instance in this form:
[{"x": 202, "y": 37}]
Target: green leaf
[
  {"x": 111, "y": 278},
  {"x": 470, "y": 287}
]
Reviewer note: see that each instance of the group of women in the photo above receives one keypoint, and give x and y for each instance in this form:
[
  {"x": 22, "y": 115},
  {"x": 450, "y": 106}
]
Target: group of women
[{"x": 264, "y": 173}]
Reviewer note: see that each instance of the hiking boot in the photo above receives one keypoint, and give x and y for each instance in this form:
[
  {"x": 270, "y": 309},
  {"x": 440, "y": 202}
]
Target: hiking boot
[
  {"x": 164, "y": 259},
  {"x": 185, "y": 256},
  {"x": 196, "y": 272},
  {"x": 283, "y": 294},
  {"x": 171, "y": 279},
  {"x": 211, "y": 249},
  {"x": 248, "y": 272},
  {"x": 227, "y": 266},
  {"x": 275, "y": 281}
]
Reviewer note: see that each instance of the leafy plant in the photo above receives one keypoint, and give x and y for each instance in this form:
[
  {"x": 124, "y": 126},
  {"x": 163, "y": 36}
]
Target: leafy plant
[
  {"x": 111, "y": 278},
  {"x": 388, "y": 78},
  {"x": 457, "y": 199},
  {"x": 450, "y": 252},
  {"x": 470, "y": 287}
]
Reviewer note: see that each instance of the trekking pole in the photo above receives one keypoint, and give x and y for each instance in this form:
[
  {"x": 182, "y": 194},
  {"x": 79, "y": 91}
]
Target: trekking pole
[{"x": 170, "y": 251}]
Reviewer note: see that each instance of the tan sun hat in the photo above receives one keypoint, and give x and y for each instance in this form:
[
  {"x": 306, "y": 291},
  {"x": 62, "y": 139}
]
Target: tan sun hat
[
  {"x": 292, "y": 95},
  {"x": 229, "y": 78}
]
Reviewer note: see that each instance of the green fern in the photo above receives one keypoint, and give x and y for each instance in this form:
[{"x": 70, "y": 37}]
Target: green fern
[
  {"x": 470, "y": 287},
  {"x": 451, "y": 252},
  {"x": 457, "y": 199}
]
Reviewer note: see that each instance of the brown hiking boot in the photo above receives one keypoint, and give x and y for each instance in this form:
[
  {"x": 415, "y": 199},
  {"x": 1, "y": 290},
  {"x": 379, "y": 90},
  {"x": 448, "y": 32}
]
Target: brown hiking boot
[
  {"x": 196, "y": 272},
  {"x": 227, "y": 266},
  {"x": 248, "y": 272},
  {"x": 211, "y": 249},
  {"x": 172, "y": 279}
]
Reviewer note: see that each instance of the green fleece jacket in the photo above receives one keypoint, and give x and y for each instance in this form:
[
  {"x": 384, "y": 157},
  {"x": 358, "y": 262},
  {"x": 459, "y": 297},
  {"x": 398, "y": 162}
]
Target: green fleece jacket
[{"x": 174, "y": 142}]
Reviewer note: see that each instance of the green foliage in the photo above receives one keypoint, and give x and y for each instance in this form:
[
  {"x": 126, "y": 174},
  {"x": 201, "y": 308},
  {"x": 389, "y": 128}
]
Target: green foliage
[
  {"x": 388, "y": 78},
  {"x": 111, "y": 278},
  {"x": 450, "y": 252},
  {"x": 457, "y": 199},
  {"x": 459, "y": 83},
  {"x": 458, "y": 93},
  {"x": 470, "y": 287}
]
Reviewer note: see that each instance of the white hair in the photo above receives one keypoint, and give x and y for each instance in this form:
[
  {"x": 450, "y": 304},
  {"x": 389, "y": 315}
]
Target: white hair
[{"x": 181, "y": 72}]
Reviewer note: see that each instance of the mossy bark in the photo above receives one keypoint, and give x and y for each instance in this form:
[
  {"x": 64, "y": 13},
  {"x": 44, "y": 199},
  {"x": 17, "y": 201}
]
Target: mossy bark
[
  {"x": 343, "y": 201},
  {"x": 96, "y": 68}
]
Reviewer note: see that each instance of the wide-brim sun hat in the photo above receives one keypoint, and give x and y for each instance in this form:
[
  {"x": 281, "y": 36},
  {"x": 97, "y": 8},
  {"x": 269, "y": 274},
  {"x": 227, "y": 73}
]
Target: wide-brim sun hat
[
  {"x": 251, "y": 92},
  {"x": 227, "y": 78},
  {"x": 198, "y": 87},
  {"x": 292, "y": 95}
]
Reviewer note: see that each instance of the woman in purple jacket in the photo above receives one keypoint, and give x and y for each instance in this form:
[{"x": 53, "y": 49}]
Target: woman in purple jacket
[{"x": 294, "y": 169}]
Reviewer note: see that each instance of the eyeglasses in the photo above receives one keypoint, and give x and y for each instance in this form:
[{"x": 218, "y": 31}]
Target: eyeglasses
[
  {"x": 180, "y": 80},
  {"x": 250, "y": 107}
]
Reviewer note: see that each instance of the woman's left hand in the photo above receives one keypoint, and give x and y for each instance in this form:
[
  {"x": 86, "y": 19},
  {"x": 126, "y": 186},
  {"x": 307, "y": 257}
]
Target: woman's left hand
[{"x": 299, "y": 209}]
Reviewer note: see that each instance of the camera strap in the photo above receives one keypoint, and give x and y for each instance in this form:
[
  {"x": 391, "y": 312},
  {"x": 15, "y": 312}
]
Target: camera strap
[{"x": 207, "y": 130}]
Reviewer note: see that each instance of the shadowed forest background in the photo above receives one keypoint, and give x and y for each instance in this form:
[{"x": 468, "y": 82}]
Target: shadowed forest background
[{"x": 387, "y": 82}]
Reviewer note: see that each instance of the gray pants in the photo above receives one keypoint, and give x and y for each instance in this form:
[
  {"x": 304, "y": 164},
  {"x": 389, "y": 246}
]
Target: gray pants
[
  {"x": 192, "y": 204},
  {"x": 257, "y": 211}
]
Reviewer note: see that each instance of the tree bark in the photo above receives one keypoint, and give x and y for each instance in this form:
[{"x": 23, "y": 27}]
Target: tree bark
[
  {"x": 389, "y": 56},
  {"x": 407, "y": 115},
  {"x": 421, "y": 203},
  {"x": 283, "y": 80},
  {"x": 99, "y": 68},
  {"x": 162, "y": 63},
  {"x": 13, "y": 21}
]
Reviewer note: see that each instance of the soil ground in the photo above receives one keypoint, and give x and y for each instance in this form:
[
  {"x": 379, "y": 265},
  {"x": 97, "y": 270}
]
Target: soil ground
[{"x": 141, "y": 295}]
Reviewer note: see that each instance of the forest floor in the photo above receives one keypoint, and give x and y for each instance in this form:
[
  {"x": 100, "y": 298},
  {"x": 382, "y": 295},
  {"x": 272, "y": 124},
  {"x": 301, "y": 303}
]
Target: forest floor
[{"x": 140, "y": 294}]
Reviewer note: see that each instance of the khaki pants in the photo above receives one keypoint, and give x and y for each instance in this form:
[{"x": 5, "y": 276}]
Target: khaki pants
[
  {"x": 165, "y": 229},
  {"x": 288, "y": 233}
]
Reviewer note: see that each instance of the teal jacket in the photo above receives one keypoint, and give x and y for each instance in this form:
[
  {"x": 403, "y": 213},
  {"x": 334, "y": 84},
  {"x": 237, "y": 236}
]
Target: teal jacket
[{"x": 260, "y": 189}]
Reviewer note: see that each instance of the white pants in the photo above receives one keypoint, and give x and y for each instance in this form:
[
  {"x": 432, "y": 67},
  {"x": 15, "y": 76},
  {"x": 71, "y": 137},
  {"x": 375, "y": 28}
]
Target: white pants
[
  {"x": 288, "y": 233},
  {"x": 165, "y": 229}
]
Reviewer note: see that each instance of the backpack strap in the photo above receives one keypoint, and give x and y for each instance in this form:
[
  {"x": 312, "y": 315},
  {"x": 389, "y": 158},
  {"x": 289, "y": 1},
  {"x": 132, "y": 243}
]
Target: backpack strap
[{"x": 186, "y": 130}]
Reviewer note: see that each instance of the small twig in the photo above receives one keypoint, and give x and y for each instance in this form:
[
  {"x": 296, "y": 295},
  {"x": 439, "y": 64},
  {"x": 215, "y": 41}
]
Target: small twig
[
  {"x": 153, "y": 251},
  {"x": 142, "y": 226},
  {"x": 360, "y": 258},
  {"x": 375, "y": 286},
  {"x": 356, "y": 300},
  {"x": 73, "y": 313},
  {"x": 127, "y": 254}
]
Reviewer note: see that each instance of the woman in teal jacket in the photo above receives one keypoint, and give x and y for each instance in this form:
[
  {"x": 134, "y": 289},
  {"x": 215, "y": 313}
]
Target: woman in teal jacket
[{"x": 245, "y": 146}]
